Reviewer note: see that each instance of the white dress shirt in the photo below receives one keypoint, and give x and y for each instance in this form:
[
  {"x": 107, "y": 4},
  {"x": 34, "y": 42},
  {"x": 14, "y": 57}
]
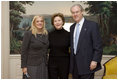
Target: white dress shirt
[{"x": 80, "y": 27}]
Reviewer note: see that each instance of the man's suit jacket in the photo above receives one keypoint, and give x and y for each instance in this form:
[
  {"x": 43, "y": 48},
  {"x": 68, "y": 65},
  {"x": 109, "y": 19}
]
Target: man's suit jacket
[{"x": 89, "y": 48}]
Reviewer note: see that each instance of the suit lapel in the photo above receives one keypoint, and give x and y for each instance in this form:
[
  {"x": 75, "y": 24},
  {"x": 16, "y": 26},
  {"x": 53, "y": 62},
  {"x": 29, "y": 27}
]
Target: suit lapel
[
  {"x": 72, "y": 33},
  {"x": 73, "y": 27},
  {"x": 82, "y": 34}
]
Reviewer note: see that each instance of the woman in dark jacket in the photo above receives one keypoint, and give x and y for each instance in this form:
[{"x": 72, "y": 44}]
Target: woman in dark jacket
[
  {"x": 34, "y": 50},
  {"x": 59, "y": 42}
]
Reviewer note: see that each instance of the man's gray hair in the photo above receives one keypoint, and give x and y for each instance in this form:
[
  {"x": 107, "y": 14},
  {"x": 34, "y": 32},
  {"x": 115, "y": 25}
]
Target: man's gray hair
[{"x": 78, "y": 6}]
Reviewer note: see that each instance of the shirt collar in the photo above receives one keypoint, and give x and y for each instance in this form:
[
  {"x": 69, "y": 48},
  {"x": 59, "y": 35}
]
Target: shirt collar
[{"x": 81, "y": 21}]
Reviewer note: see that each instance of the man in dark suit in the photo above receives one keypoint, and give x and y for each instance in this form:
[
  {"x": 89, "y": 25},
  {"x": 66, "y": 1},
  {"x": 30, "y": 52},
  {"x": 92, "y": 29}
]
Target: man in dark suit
[{"x": 86, "y": 46}]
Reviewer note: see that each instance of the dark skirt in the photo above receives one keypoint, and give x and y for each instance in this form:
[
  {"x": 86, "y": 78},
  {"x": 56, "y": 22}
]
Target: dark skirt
[
  {"x": 38, "y": 72},
  {"x": 58, "y": 67}
]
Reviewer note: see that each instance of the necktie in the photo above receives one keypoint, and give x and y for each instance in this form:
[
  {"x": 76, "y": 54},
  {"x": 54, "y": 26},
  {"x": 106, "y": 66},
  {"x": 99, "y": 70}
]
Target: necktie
[{"x": 76, "y": 38}]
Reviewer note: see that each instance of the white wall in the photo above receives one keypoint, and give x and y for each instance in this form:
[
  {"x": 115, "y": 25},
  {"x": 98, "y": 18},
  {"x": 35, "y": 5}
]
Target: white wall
[
  {"x": 5, "y": 40},
  {"x": 15, "y": 67}
]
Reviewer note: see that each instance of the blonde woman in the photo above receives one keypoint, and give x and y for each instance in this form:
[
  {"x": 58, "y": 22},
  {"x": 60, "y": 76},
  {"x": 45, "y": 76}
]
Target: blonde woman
[{"x": 34, "y": 50}]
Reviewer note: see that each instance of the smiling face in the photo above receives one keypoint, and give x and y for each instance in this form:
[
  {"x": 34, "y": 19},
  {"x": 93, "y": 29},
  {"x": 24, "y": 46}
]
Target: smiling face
[
  {"x": 39, "y": 22},
  {"x": 58, "y": 22},
  {"x": 77, "y": 13}
]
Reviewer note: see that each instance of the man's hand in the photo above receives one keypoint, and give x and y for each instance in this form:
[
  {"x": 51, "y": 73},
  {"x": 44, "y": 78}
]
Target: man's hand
[{"x": 93, "y": 65}]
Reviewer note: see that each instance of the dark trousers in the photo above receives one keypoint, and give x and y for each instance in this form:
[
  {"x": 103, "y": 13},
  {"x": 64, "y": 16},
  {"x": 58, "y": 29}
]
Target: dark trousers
[
  {"x": 58, "y": 67},
  {"x": 75, "y": 74}
]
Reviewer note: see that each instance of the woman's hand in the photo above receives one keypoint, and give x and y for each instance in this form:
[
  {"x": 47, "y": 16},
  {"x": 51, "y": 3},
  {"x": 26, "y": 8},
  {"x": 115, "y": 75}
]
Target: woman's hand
[{"x": 24, "y": 70}]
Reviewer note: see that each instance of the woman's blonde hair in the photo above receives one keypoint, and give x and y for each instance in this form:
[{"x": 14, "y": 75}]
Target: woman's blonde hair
[{"x": 35, "y": 30}]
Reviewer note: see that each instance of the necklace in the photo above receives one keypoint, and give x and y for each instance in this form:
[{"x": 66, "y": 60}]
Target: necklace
[{"x": 39, "y": 35}]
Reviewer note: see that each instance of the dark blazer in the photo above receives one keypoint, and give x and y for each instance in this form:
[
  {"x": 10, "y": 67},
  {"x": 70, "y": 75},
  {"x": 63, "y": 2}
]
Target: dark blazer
[
  {"x": 89, "y": 48},
  {"x": 34, "y": 49}
]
